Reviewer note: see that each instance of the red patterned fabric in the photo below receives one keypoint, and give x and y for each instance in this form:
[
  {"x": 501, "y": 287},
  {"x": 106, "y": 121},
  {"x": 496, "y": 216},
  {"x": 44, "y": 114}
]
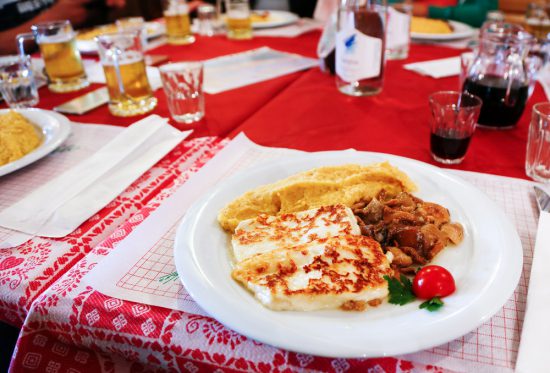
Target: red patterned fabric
[
  {"x": 27, "y": 270},
  {"x": 72, "y": 327}
]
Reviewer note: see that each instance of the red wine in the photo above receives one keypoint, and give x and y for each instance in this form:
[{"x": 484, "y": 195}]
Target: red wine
[
  {"x": 496, "y": 111},
  {"x": 447, "y": 147}
]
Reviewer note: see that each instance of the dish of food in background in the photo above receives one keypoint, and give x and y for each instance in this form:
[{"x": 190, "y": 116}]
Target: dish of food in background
[
  {"x": 486, "y": 267},
  {"x": 85, "y": 38},
  {"x": 52, "y": 129},
  {"x": 272, "y": 18},
  {"x": 438, "y": 30}
]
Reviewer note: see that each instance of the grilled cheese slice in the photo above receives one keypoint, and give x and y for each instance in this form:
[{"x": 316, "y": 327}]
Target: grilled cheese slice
[
  {"x": 266, "y": 233},
  {"x": 328, "y": 273}
]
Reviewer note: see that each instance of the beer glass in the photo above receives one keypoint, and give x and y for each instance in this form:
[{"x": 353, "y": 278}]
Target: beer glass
[
  {"x": 178, "y": 26},
  {"x": 136, "y": 24},
  {"x": 238, "y": 21},
  {"x": 62, "y": 61},
  {"x": 121, "y": 55}
]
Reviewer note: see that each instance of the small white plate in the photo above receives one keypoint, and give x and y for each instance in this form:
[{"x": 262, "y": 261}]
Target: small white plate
[
  {"x": 486, "y": 267},
  {"x": 55, "y": 129},
  {"x": 460, "y": 31},
  {"x": 276, "y": 18}
]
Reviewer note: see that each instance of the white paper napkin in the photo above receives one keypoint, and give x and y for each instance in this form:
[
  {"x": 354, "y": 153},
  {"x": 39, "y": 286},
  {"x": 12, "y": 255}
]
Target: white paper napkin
[
  {"x": 254, "y": 66},
  {"x": 533, "y": 355},
  {"x": 61, "y": 205},
  {"x": 441, "y": 68},
  {"x": 296, "y": 29}
]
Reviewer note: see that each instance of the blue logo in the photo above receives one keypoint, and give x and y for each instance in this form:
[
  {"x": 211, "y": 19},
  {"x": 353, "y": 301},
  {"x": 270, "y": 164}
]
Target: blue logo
[{"x": 350, "y": 43}]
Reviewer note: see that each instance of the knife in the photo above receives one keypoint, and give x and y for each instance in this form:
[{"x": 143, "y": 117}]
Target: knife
[
  {"x": 543, "y": 199},
  {"x": 533, "y": 354}
]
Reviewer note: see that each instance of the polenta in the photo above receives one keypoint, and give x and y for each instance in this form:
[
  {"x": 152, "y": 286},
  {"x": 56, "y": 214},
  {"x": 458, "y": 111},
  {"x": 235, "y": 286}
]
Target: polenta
[
  {"x": 323, "y": 186},
  {"x": 423, "y": 25},
  {"x": 18, "y": 137}
]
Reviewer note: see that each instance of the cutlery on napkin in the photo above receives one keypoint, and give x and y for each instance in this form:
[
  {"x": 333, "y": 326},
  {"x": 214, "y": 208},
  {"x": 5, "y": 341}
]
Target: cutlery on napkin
[
  {"x": 441, "y": 68},
  {"x": 58, "y": 207},
  {"x": 533, "y": 355}
]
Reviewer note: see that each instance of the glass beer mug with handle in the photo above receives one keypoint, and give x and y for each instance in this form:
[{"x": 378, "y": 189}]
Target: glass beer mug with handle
[
  {"x": 63, "y": 64},
  {"x": 500, "y": 75},
  {"x": 121, "y": 55}
]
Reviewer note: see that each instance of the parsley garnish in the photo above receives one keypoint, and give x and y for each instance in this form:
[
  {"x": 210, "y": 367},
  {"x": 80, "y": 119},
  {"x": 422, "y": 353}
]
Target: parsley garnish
[
  {"x": 400, "y": 291},
  {"x": 433, "y": 304}
]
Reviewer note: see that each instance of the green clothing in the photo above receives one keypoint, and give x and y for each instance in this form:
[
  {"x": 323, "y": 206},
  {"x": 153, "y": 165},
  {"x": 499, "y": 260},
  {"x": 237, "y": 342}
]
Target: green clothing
[{"x": 472, "y": 12}]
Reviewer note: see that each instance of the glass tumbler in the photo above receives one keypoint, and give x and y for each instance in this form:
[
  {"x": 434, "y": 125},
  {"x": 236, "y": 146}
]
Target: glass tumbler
[
  {"x": 452, "y": 124},
  {"x": 238, "y": 20},
  {"x": 398, "y": 35},
  {"x": 178, "y": 24},
  {"x": 537, "y": 159},
  {"x": 17, "y": 83},
  {"x": 63, "y": 64},
  {"x": 182, "y": 84},
  {"x": 121, "y": 55}
]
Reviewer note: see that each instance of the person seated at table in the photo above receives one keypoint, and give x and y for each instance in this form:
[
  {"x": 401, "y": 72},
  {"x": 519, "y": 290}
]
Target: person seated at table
[
  {"x": 17, "y": 16},
  {"x": 472, "y": 12}
]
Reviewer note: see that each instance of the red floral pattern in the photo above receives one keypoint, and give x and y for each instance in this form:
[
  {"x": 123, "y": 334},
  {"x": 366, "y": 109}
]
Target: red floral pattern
[{"x": 110, "y": 334}]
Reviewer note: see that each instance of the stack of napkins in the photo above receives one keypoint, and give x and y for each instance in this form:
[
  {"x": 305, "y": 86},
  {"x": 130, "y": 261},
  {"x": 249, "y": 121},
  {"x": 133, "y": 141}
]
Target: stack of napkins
[
  {"x": 441, "y": 68},
  {"x": 533, "y": 356},
  {"x": 61, "y": 205}
]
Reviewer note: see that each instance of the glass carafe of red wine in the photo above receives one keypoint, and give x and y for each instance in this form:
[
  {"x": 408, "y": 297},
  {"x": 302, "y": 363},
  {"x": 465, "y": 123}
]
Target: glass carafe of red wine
[{"x": 500, "y": 75}]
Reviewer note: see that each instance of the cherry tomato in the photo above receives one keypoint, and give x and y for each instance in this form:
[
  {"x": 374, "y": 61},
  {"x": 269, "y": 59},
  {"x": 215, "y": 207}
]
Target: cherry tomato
[{"x": 433, "y": 281}]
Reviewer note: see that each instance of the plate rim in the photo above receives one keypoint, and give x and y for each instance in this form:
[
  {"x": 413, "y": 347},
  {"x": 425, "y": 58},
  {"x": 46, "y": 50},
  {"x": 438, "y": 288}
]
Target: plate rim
[
  {"x": 468, "y": 32},
  {"x": 183, "y": 257},
  {"x": 46, "y": 147},
  {"x": 291, "y": 18}
]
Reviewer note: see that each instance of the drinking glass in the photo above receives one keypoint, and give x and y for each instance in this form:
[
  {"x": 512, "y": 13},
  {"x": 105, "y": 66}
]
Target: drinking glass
[
  {"x": 135, "y": 24},
  {"x": 178, "y": 25},
  {"x": 537, "y": 159},
  {"x": 121, "y": 55},
  {"x": 17, "y": 83},
  {"x": 182, "y": 84},
  {"x": 62, "y": 60},
  {"x": 239, "y": 23},
  {"x": 207, "y": 19},
  {"x": 398, "y": 30},
  {"x": 452, "y": 124}
]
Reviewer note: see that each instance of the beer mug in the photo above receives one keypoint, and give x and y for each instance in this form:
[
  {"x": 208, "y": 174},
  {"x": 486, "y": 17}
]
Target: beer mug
[
  {"x": 62, "y": 61},
  {"x": 239, "y": 22},
  {"x": 136, "y": 24},
  {"x": 178, "y": 25},
  {"x": 121, "y": 55}
]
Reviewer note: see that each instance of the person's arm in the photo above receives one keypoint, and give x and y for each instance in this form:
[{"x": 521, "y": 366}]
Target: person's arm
[
  {"x": 73, "y": 10},
  {"x": 472, "y": 12}
]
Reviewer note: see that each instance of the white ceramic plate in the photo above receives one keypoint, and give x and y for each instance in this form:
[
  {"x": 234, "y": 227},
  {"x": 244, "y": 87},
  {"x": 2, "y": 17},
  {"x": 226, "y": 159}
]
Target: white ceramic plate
[
  {"x": 486, "y": 267},
  {"x": 55, "y": 129},
  {"x": 154, "y": 30},
  {"x": 276, "y": 18},
  {"x": 460, "y": 31}
]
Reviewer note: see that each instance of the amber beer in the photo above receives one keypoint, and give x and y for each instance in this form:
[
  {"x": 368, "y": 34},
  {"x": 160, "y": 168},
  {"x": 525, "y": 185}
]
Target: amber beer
[
  {"x": 63, "y": 64},
  {"x": 239, "y": 26},
  {"x": 132, "y": 95},
  {"x": 178, "y": 26},
  {"x": 57, "y": 44}
]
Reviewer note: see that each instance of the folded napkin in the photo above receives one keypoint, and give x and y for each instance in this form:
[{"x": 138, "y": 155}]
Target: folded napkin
[
  {"x": 241, "y": 69},
  {"x": 533, "y": 355},
  {"x": 436, "y": 68},
  {"x": 58, "y": 207},
  {"x": 296, "y": 29}
]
